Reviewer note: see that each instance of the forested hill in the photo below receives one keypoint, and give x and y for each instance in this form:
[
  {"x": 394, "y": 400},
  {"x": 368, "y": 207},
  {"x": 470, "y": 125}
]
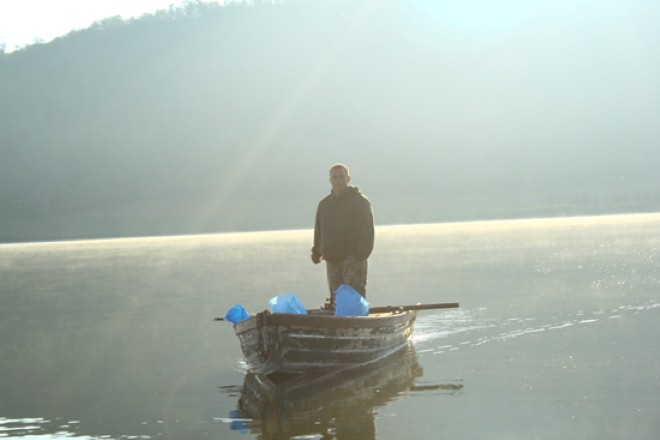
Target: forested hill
[{"x": 212, "y": 118}]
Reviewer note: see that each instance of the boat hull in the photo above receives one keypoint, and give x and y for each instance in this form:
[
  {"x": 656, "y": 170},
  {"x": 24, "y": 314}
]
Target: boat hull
[{"x": 320, "y": 341}]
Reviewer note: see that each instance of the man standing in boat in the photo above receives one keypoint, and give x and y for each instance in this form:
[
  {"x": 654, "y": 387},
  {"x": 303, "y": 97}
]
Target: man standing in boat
[{"x": 344, "y": 233}]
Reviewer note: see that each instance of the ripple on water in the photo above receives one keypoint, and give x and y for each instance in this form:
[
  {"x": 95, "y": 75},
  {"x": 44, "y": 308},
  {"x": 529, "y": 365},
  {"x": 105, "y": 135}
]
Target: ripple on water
[
  {"x": 37, "y": 428},
  {"x": 432, "y": 328}
]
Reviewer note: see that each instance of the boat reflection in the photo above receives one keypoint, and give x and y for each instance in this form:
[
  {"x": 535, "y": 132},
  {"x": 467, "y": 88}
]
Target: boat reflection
[{"x": 339, "y": 405}]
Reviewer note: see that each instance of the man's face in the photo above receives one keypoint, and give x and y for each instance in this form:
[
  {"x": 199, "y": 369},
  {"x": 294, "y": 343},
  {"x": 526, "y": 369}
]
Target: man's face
[{"x": 339, "y": 179}]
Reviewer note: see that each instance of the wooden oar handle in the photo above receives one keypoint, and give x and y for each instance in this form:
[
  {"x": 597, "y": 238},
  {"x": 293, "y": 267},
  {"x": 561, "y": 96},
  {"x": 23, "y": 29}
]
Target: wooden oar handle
[{"x": 413, "y": 307}]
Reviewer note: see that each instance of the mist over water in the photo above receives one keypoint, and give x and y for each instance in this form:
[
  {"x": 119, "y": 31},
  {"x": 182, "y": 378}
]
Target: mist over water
[{"x": 556, "y": 336}]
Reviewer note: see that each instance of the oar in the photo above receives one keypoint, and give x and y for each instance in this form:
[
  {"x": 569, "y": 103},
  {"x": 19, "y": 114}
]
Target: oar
[
  {"x": 413, "y": 307},
  {"x": 386, "y": 309}
]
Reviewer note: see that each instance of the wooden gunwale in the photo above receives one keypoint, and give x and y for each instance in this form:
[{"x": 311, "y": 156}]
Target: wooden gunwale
[{"x": 325, "y": 321}]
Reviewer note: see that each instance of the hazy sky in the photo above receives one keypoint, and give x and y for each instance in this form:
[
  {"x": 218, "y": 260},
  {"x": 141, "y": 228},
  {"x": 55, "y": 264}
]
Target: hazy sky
[{"x": 22, "y": 22}]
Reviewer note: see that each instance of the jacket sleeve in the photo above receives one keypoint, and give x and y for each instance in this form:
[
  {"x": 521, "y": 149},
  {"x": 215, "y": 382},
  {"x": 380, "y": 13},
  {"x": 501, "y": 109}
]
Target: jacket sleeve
[
  {"x": 316, "y": 248},
  {"x": 366, "y": 235}
]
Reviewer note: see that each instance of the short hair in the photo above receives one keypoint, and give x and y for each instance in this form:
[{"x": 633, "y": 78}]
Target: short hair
[{"x": 340, "y": 165}]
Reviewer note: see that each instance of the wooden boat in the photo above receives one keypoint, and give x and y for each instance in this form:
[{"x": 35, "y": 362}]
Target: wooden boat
[{"x": 319, "y": 340}]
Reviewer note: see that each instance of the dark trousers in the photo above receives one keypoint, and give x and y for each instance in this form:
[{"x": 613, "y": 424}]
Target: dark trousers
[{"x": 349, "y": 271}]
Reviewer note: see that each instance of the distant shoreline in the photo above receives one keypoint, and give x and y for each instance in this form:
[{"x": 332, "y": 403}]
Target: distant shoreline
[{"x": 140, "y": 229}]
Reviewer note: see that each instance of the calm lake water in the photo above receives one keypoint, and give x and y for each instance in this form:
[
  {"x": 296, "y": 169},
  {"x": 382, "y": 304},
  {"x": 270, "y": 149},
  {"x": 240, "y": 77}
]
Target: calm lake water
[{"x": 557, "y": 335}]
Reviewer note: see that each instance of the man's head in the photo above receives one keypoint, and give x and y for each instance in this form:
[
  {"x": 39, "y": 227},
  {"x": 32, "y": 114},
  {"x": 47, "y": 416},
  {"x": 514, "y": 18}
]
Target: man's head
[{"x": 339, "y": 177}]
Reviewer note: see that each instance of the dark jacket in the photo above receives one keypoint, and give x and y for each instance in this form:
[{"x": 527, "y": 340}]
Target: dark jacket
[{"x": 344, "y": 226}]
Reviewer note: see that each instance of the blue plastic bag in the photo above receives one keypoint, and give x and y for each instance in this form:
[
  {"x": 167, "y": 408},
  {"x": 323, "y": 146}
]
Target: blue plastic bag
[
  {"x": 287, "y": 303},
  {"x": 348, "y": 302},
  {"x": 236, "y": 314}
]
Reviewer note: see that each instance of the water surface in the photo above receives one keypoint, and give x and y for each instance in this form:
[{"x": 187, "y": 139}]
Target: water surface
[{"x": 556, "y": 335}]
